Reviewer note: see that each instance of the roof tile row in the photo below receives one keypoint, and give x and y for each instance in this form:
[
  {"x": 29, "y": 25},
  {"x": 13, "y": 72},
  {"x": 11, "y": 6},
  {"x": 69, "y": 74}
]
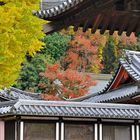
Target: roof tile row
[
  {"x": 70, "y": 109},
  {"x": 14, "y": 93},
  {"x": 58, "y": 9}
]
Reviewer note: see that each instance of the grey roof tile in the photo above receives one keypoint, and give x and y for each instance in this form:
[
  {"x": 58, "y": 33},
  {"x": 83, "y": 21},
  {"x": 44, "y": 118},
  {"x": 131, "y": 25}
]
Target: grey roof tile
[
  {"x": 14, "y": 93},
  {"x": 132, "y": 65},
  {"x": 70, "y": 109},
  {"x": 55, "y": 8},
  {"x": 127, "y": 91}
]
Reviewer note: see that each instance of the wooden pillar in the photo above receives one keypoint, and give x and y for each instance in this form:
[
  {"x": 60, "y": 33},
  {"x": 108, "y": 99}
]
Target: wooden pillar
[
  {"x": 21, "y": 130},
  {"x": 1, "y": 130},
  {"x": 133, "y": 132},
  {"x": 96, "y": 131},
  {"x": 62, "y": 131},
  {"x": 57, "y": 131},
  {"x": 100, "y": 132},
  {"x": 137, "y": 132}
]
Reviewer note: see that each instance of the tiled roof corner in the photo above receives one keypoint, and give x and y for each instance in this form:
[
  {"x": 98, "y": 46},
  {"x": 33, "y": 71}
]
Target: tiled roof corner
[
  {"x": 131, "y": 64},
  {"x": 58, "y": 9},
  {"x": 14, "y": 93},
  {"x": 121, "y": 94}
]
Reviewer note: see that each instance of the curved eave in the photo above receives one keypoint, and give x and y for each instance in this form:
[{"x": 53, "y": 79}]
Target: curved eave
[
  {"x": 91, "y": 14},
  {"x": 122, "y": 94},
  {"x": 53, "y": 13},
  {"x": 103, "y": 91},
  {"x": 132, "y": 70},
  {"x": 14, "y": 94}
]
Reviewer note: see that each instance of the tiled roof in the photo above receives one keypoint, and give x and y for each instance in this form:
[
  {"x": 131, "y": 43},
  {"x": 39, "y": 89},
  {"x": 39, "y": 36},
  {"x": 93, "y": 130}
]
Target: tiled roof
[
  {"x": 69, "y": 109},
  {"x": 47, "y": 4},
  {"x": 58, "y": 9},
  {"x": 14, "y": 93},
  {"x": 123, "y": 93},
  {"x": 131, "y": 63},
  {"x": 94, "y": 14}
]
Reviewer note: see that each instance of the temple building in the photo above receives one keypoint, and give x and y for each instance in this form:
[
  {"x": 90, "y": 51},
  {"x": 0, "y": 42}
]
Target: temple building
[
  {"x": 110, "y": 114},
  {"x": 112, "y": 15}
]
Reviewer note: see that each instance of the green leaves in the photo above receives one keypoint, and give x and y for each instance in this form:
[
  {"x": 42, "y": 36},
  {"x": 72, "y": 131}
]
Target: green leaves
[{"x": 55, "y": 46}]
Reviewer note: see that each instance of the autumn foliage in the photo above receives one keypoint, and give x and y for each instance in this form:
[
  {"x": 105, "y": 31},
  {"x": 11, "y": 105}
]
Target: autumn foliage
[
  {"x": 64, "y": 84},
  {"x": 20, "y": 33},
  {"x": 82, "y": 55}
]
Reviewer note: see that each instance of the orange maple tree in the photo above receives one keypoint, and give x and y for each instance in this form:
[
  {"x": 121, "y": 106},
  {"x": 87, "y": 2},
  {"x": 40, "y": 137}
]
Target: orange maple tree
[{"x": 82, "y": 54}]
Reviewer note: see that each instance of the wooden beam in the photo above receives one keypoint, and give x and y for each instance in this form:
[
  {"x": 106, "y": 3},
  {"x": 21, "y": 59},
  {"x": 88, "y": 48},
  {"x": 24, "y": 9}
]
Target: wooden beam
[
  {"x": 104, "y": 19},
  {"x": 97, "y": 22},
  {"x": 114, "y": 24},
  {"x": 105, "y": 24},
  {"x": 137, "y": 33},
  {"x": 132, "y": 25},
  {"x": 124, "y": 25},
  {"x": 85, "y": 27}
]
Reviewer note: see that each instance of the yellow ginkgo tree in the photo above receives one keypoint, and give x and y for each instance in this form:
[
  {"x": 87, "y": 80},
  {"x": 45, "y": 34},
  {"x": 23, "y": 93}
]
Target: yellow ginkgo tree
[{"x": 20, "y": 33}]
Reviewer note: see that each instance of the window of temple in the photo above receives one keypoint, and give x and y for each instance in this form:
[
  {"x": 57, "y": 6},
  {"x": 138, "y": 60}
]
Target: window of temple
[
  {"x": 79, "y": 132},
  {"x": 116, "y": 132},
  {"x": 9, "y": 130},
  {"x": 39, "y": 131}
]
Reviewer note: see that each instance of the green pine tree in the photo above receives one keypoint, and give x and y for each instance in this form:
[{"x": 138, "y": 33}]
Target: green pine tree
[{"x": 110, "y": 56}]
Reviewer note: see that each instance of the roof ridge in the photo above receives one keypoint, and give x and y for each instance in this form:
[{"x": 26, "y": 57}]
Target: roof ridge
[
  {"x": 24, "y": 92},
  {"x": 71, "y": 104},
  {"x": 71, "y": 109}
]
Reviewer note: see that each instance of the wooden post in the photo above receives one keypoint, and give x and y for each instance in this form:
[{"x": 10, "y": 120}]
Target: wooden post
[
  {"x": 133, "y": 132},
  {"x": 100, "y": 132},
  {"x": 137, "y": 132},
  {"x": 62, "y": 131},
  {"x": 21, "y": 130},
  {"x": 96, "y": 131},
  {"x": 57, "y": 131}
]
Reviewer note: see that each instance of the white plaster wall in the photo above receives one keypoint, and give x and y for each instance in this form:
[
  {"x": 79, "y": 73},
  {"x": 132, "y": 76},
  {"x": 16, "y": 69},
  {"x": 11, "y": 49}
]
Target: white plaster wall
[{"x": 1, "y": 130}]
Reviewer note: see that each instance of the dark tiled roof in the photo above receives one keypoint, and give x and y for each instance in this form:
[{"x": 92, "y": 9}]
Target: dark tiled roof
[
  {"x": 14, "y": 93},
  {"x": 69, "y": 109},
  {"x": 101, "y": 13},
  {"x": 57, "y": 9},
  {"x": 130, "y": 59},
  {"x": 132, "y": 64},
  {"x": 48, "y": 4},
  {"x": 123, "y": 93}
]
